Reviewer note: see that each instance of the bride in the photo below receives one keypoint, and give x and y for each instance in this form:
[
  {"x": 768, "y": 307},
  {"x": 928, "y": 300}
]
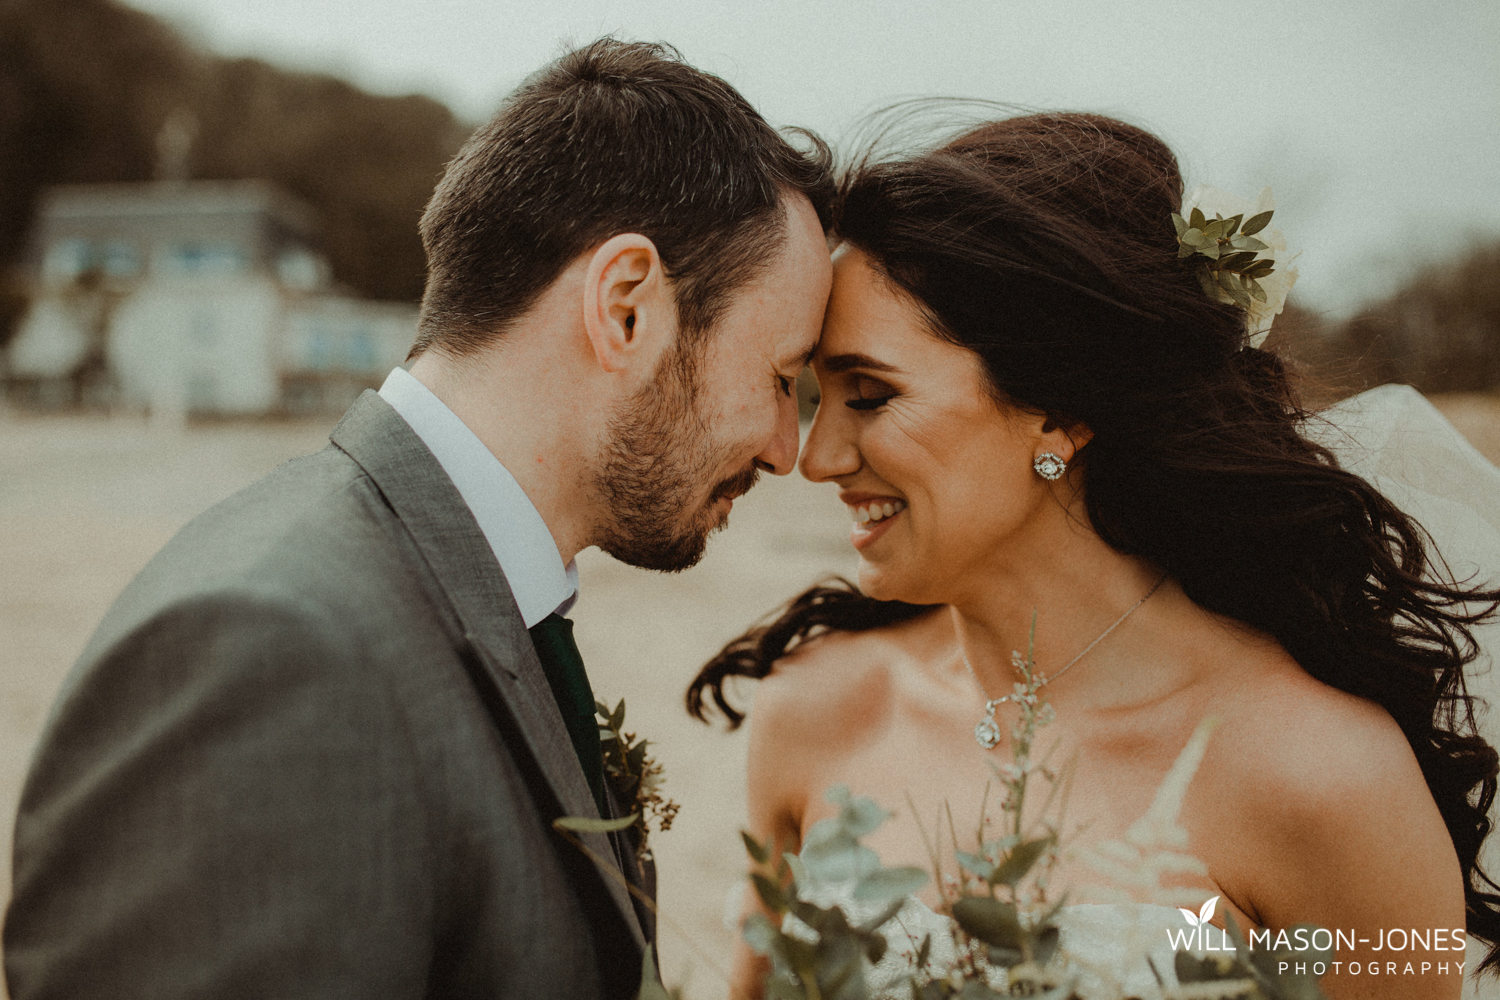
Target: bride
[{"x": 1029, "y": 403}]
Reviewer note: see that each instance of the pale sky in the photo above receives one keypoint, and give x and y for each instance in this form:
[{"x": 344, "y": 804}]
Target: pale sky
[{"x": 1377, "y": 123}]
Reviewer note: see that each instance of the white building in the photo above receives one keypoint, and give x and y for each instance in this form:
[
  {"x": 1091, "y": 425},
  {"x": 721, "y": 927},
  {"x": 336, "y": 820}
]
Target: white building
[{"x": 193, "y": 297}]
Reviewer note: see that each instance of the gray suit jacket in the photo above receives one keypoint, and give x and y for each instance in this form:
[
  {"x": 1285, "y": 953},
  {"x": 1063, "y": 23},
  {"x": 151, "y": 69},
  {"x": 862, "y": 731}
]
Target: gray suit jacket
[{"x": 310, "y": 752}]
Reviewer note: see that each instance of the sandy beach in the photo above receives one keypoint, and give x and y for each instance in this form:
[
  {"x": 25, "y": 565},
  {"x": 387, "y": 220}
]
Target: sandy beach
[{"x": 85, "y": 501}]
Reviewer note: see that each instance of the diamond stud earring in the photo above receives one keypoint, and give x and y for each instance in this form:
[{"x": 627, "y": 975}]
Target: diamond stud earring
[{"x": 1049, "y": 466}]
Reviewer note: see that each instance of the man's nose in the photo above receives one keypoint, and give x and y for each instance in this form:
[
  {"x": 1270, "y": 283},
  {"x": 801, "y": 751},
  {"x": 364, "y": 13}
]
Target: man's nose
[{"x": 780, "y": 455}]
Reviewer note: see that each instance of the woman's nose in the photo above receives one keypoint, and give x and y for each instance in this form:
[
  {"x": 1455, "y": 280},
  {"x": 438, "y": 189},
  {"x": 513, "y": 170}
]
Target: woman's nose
[{"x": 830, "y": 451}]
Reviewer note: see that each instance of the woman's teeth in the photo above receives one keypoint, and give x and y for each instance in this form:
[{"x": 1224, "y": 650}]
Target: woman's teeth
[{"x": 877, "y": 511}]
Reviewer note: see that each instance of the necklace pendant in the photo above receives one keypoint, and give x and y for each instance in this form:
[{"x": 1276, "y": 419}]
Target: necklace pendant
[{"x": 987, "y": 732}]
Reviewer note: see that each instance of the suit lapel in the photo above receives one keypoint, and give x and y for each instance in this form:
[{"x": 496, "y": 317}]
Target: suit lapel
[{"x": 464, "y": 565}]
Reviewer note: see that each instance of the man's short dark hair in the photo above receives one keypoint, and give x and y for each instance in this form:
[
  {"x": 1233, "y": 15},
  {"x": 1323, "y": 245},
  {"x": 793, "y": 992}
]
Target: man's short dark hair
[{"x": 614, "y": 137}]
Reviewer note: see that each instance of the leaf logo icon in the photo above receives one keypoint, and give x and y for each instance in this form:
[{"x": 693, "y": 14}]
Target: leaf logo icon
[{"x": 1203, "y": 916}]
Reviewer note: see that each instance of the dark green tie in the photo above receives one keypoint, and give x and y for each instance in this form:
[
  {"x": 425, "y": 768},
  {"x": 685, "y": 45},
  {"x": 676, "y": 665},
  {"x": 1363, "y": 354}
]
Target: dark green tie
[{"x": 553, "y": 639}]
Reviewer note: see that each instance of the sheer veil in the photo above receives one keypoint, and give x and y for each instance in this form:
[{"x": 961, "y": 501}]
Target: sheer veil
[{"x": 1398, "y": 442}]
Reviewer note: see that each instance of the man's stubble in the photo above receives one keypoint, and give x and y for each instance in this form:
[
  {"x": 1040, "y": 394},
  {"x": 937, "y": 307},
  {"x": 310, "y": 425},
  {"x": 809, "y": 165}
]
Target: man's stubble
[{"x": 661, "y": 450}]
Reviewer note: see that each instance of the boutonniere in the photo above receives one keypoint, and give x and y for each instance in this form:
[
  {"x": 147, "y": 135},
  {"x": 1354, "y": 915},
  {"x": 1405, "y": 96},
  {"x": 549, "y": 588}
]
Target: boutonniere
[{"x": 634, "y": 778}]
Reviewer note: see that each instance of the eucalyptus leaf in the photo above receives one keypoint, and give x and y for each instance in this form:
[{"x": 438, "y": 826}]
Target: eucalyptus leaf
[
  {"x": 838, "y": 859},
  {"x": 1234, "y": 224},
  {"x": 1005, "y": 958},
  {"x": 1256, "y": 292},
  {"x": 617, "y": 717},
  {"x": 1210, "y": 250},
  {"x": 769, "y": 892},
  {"x": 1289, "y": 985},
  {"x": 992, "y": 921},
  {"x": 782, "y": 987},
  {"x": 1196, "y": 219},
  {"x": 1256, "y": 223},
  {"x": 1230, "y": 282},
  {"x": 759, "y": 933},
  {"x": 976, "y": 990},
  {"x": 889, "y": 883},
  {"x": 1194, "y": 237},
  {"x": 587, "y": 824},
  {"x": 1179, "y": 223},
  {"x": 760, "y": 852},
  {"x": 1206, "y": 280},
  {"x": 862, "y": 816},
  {"x": 1045, "y": 945},
  {"x": 1236, "y": 261},
  {"x": 874, "y": 923},
  {"x": 1020, "y": 862},
  {"x": 975, "y": 865},
  {"x": 1184, "y": 250},
  {"x": 1212, "y": 969},
  {"x": 875, "y": 946},
  {"x": 839, "y": 971}
]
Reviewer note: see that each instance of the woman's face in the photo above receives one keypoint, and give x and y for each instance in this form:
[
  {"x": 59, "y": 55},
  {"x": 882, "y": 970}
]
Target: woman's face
[{"x": 936, "y": 474}]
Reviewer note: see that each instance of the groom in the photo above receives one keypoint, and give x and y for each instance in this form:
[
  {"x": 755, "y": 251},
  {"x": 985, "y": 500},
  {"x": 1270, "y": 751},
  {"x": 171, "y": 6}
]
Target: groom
[{"x": 316, "y": 747}]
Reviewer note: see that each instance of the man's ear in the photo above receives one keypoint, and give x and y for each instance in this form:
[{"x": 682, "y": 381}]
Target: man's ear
[{"x": 629, "y": 314}]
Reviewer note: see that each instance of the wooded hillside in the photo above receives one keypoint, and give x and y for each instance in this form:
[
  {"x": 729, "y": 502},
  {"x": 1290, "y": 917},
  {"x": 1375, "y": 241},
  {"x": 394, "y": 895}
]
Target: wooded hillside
[{"x": 86, "y": 87}]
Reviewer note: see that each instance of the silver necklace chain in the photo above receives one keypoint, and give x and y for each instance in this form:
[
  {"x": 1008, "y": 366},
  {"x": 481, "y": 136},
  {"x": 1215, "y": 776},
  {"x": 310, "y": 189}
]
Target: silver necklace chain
[{"x": 987, "y": 730}]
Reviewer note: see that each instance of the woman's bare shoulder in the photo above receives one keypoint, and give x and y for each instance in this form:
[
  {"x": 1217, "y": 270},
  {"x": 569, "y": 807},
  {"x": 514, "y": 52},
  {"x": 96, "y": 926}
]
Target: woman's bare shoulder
[
  {"x": 1312, "y": 742},
  {"x": 1333, "y": 808},
  {"x": 843, "y": 676},
  {"x": 822, "y": 701}
]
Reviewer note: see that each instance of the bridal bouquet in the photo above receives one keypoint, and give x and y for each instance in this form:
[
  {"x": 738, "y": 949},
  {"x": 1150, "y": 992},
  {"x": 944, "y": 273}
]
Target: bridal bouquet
[{"x": 834, "y": 912}]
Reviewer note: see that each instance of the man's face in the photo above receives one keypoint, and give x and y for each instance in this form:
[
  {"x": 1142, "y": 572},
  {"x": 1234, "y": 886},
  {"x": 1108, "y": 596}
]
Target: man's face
[{"x": 684, "y": 447}]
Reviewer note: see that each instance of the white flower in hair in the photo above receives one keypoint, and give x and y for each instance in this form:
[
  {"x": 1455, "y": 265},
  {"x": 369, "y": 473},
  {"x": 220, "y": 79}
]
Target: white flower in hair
[{"x": 1231, "y": 232}]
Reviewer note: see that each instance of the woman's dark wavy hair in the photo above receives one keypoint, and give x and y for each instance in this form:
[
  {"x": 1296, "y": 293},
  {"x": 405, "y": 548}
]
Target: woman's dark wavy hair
[{"x": 1044, "y": 244}]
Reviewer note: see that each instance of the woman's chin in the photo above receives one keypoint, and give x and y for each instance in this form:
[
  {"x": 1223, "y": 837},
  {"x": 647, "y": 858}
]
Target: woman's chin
[{"x": 886, "y": 583}]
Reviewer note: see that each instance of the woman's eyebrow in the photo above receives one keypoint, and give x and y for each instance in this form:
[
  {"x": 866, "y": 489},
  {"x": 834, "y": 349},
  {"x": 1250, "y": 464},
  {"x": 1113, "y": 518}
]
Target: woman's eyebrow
[{"x": 848, "y": 362}]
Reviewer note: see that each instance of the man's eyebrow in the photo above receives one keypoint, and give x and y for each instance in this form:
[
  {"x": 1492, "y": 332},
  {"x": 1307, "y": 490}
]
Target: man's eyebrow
[
  {"x": 802, "y": 360},
  {"x": 849, "y": 362}
]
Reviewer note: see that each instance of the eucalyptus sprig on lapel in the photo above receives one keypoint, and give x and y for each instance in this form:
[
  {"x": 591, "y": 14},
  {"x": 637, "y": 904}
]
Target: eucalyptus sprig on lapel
[{"x": 634, "y": 776}]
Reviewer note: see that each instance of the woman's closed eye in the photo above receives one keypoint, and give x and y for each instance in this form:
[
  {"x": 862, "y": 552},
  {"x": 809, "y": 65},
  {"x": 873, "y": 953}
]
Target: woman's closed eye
[{"x": 870, "y": 394}]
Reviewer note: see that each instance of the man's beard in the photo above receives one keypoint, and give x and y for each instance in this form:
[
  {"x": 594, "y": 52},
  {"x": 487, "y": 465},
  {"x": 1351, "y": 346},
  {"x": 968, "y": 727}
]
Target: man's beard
[{"x": 659, "y": 455}]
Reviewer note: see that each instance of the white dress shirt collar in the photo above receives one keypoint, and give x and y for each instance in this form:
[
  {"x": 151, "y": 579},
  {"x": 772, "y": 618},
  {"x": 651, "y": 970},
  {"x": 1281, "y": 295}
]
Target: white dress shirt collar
[{"x": 523, "y": 545}]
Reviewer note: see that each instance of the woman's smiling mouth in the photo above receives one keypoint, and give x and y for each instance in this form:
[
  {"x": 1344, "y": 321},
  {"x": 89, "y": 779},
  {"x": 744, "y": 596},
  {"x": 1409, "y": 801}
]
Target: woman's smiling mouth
[
  {"x": 872, "y": 517},
  {"x": 875, "y": 510}
]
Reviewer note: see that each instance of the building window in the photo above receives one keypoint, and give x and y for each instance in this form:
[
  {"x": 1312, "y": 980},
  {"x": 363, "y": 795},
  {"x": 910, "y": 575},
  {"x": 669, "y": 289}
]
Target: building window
[
  {"x": 67, "y": 259},
  {"x": 205, "y": 260},
  {"x": 119, "y": 259},
  {"x": 70, "y": 259}
]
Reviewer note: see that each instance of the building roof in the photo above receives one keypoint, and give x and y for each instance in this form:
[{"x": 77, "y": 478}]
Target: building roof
[{"x": 177, "y": 198}]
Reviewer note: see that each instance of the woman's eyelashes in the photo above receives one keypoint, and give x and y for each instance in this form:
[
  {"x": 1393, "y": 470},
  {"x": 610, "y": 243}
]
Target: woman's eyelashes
[
  {"x": 785, "y": 385},
  {"x": 870, "y": 394}
]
